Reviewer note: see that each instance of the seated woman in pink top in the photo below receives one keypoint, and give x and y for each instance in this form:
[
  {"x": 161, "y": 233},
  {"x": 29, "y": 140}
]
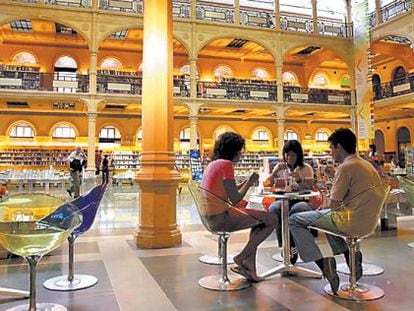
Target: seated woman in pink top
[{"x": 218, "y": 178}]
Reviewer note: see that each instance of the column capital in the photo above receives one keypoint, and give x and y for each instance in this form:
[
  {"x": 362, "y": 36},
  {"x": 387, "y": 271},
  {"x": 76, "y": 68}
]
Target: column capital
[{"x": 92, "y": 115}]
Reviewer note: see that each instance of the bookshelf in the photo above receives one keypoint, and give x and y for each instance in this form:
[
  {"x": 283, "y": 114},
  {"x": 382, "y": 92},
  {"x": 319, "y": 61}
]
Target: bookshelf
[
  {"x": 33, "y": 157},
  {"x": 19, "y": 77},
  {"x": 124, "y": 160}
]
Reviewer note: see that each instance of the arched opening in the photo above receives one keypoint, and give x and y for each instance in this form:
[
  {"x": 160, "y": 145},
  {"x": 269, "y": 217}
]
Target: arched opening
[
  {"x": 65, "y": 77},
  {"x": 380, "y": 142},
  {"x": 376, "y": 86},
  {"x": 220, "y": 130},
  {"x": 260, "y": 74},
  {"x": 223, "y": 72},
  {"x": 321, "y": 135},
  {"x": 185, "y": 139},
  {"x": 398, "y": 75},
  {"x": 24, "y": 58},
  {"x": 109, "y": 137},
  {"x": 403, "y": 141},
  {"x": 289, "y": 78},
  {"x": 22, "y": 130},
  {"x": 290, "y": 135},
  {"x": 111, "y": 63},
  {"x": 64, "y": 131}
]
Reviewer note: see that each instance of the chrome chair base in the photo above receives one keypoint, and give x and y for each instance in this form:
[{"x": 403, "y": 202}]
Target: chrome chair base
[
  {"x": 15, "y": 293},
  {"x": 216, "y": 282},
  {"x": 362, "y": 292},
  {"x": 411, "y": 245},
  {"x": 278, "y": 257},
  {"x": 45, "y": 306},
  {"x": 61, "y": 283},
  {"x": 368, "y": 269},
  {"x": 215, "y": 260}
]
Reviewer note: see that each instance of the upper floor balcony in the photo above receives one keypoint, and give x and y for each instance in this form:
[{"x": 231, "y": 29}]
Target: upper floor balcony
[
  {"x": 389, "y": 11},
  {"x": 130, "y": 84},
  {"x": 222, "y": 12},
  {"x": 395, "y": 88}
]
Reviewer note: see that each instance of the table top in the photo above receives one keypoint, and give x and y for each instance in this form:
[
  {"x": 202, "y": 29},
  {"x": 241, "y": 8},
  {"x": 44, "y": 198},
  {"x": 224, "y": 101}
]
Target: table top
[{"x": 287, "y": 195}]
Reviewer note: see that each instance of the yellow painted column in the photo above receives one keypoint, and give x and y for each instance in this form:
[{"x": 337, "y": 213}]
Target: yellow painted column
[
  {"x": 193, "y": 132},
  {"x": 280, "y": 136},
  {"x": 193, "y": 9},
  {"x": 279, "y": 83},
  {"x": 237, "y": 12},
  {"x": 378, "y": 16},
  {"x": 193, "y": 79},
  {"x": 91, "y": 140},
  {"x": 277, "y": 14},
  {"x": 157, "y": 178},
  {"x": 315, "y": 17}
]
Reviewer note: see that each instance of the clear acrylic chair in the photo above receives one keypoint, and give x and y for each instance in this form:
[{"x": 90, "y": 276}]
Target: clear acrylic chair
[
  {"x": 88, "y": 204},
  {"x": 26, "y": 207},
  {"x": 33, "y": 239},
  {"x": 221, "y": 282},
  {"x": 375, "y": 197},
  {"x": 407, "y": 185}
]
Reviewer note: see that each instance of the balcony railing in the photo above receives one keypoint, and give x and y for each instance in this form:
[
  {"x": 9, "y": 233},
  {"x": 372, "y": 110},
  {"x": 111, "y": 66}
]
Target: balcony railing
[
  {"x": 238, "y": 89},
  {"x": 294, "y": 23},
  {"x": 320, "y": 96},
  {"x": 133, "y": 6},
  {"x": 250, "y": 17},
  {"x": 36, "y": 81},
  {"x": 220, "y": 13},
  {"x": 335, "y": 29},
  {"x": 394, "y": 9},
  {"x": 390, "y": 11},
  {"x": 181, "y": 9},
  {"x": 395, "y": 88},
  {"x": 75, "y": 3},
  {"x": 27, "y": 1}
]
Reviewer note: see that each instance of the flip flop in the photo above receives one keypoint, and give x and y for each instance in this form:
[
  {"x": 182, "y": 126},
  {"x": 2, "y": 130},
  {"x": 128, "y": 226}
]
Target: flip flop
[{"x": 245, "y": 273}]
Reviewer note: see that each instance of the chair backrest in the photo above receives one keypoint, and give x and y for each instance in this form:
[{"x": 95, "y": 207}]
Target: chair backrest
[
  {"x": 195, "y": 191},
  {"x": 66, "y": 216},
  {"x": 358, "y": 216},
  {"x": 407, "y": 185},
  {"x": 88, "y": 204}
]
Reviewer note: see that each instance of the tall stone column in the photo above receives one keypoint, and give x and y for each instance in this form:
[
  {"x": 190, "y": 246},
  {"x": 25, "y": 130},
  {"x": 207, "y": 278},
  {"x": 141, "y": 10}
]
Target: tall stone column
[
  {"x": 280, "y": 136},
  {"x": 193, "y": 132},
  {"x": 354, "y": 120},
  {"x": 91, "y": 140},
  {"x": 237, "y": 12},
  {"x": 157, "y": 178},
  {"x": 279, "y": 83},
  {"x": 193, "y": 79},
  {"x": 378, "y": 16},
  {"x": 277, "y": 14},
  {"x": 93, "y": 64},
  {"x": 193, "y": 9},
  {"x": 315, "y": 16}
]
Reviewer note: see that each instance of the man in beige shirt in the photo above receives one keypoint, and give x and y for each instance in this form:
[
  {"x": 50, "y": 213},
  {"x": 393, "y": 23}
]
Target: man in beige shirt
[{"x": 353, "y": 177}]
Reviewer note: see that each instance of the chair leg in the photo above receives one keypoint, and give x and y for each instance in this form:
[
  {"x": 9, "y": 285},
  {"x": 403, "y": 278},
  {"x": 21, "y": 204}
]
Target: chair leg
[
  {"x": 224, "y": 282},
  {"x": 353, "y": 290},
  {"x": 216, "y": 260}
]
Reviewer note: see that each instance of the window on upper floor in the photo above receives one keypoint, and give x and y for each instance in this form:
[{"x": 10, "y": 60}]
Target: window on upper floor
[
  {"x": 260, "y": 73},
  {"x": 332, "y": 10},
  {"x": 111, "y": 63},
  {"x": 21, "y": 25},
  {"x": 345, "y": 81},
  {"x": 320, "y": 80},
  {"x": 223, "y": 72},
  {"x": 289, "y": 78},
  {"x": 109, "y": 134},
  {"x": 290, "y": 135},
  {"x": 222, "y": 129},
  {"x": 22, "y": 130},
  {"x": 65, "y": 63},
  {"x": 297, "y": 7},
  {"x": 185, "y": 135},
  {"x": 185, "y": 70},
  {"x": 321, "y": 135},
  {"x": 64, "y": 131},
  {"x": 260, "y": 135},
  {"x": 139, "y": 135},
  {"x": 24, "y": 58}
]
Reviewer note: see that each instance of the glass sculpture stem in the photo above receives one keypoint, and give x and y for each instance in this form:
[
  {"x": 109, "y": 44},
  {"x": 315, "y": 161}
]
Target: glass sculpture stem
[
  {"x": 71, "y": 240},
  {"x": 32, "y": 260}
]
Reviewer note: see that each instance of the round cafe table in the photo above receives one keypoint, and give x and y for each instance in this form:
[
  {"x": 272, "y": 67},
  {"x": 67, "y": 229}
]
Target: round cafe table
[{"x": 286, "y": 268}]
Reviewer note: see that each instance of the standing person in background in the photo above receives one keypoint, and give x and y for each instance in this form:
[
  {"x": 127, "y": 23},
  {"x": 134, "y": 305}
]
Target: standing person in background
[
  {"x": 75, "y": 163},
  {"x": 98, "y": 161},
  {"x": 105, "y": 169}
]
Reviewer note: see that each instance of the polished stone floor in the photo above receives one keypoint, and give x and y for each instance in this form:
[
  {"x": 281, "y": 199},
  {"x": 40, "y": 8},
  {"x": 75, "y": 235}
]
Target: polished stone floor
[{"x": 167, "y": 279}]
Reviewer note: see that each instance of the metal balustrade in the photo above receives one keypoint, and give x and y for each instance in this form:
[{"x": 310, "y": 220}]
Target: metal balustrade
[
  {"x": 132, "y": 6},
  {"x": 37, "y": 81},
  {"x": 213, "y": 13},
  {"x": 294, "y": 23},
  {"x": 394, "y": 9},
  {"x": 26, "y": 1},
  {"x": 335, "y": 29},
  {"x": 394, "y": 88},
  {"x": 75, "y": 3},
  {"x": 238, "y": 89},
  {"x": 181, "y": 9},
  {"x": 250, "y": 17},
  {"x": 372, "y": 19},
  {"x": 313, "y": 95}
]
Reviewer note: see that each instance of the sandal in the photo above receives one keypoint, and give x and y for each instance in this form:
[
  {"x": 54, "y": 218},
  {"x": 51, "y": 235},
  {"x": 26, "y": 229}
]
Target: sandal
[{"x": 246, "y": 274}]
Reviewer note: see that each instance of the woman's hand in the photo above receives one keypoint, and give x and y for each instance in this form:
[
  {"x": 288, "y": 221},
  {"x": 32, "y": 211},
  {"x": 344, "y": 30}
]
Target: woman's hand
[{"x": 254, "y": 177}]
